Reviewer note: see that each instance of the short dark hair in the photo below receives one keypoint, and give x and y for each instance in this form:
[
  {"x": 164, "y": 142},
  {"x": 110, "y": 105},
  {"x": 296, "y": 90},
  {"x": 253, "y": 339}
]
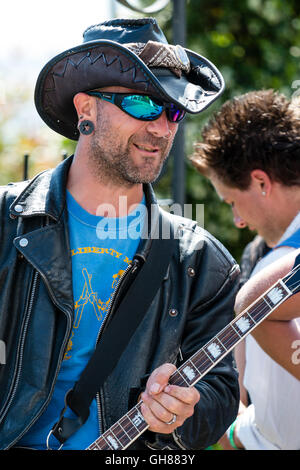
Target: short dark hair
[{"x": 257, "y": 130}]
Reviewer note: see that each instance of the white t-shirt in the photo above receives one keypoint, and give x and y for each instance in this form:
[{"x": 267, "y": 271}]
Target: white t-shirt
[{"x": 272, "y": 421}]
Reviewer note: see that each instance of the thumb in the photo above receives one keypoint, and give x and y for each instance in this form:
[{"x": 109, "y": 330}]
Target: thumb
[{"x": 159, "y": 378}]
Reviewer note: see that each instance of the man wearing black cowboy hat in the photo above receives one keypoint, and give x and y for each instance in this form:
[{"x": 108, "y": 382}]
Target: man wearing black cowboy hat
[{"x": 84, "y": 241}]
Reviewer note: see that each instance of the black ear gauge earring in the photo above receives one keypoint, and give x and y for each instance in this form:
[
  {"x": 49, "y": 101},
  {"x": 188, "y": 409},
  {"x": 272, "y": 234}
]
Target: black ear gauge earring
[{"x": 86, "y": 127}]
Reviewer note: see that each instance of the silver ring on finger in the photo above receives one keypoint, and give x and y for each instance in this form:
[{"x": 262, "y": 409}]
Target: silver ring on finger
[{"x": 173, "y": 420}]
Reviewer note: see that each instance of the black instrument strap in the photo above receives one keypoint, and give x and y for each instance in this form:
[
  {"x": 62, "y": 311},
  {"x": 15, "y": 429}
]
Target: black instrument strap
[{"x": 126, "y": 319}]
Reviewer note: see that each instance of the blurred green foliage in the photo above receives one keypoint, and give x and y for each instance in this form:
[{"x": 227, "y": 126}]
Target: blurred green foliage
[{"x": 254, "y": 43}]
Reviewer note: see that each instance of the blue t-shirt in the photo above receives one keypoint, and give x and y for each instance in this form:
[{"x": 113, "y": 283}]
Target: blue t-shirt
[
  {"x": 293, "y": 240},
  {"x": 101, "y": 250}
]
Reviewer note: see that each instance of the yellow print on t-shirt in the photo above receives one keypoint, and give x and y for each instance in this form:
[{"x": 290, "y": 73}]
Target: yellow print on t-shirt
[
  {"x": 89, "y": 296},
  {"x": 97, "y": 250},
  {"x": 100, "y": 251}
]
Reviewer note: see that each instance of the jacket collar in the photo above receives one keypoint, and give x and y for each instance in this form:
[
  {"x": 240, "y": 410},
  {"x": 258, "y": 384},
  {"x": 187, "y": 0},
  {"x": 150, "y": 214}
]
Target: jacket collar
[{"x": 45, "y": 194}]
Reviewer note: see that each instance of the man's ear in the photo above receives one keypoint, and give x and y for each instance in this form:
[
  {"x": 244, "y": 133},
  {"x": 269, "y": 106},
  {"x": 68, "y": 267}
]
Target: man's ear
[
  {"x": 262, "y": 181},
  {"x": 84, "y": 105}
]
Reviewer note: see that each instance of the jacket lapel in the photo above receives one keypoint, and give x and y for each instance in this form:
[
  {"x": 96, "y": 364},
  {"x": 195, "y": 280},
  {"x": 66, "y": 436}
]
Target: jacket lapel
[
  {"x": 44, "y": 241},
  {"x": 47, "y": 250}
]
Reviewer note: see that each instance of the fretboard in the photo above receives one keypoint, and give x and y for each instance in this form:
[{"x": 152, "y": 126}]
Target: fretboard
[{"x": 132, "y": 425}]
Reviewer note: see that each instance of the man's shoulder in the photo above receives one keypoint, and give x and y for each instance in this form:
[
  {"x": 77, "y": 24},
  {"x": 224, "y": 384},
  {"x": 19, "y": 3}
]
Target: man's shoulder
[
  {"x": 14, "y": 190},
  {"x": 10, "y": 191},
  {"x": 195, "y": 239}
]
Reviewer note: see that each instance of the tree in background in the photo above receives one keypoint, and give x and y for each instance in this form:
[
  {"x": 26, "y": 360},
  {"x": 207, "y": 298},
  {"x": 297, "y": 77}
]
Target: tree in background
[
  {"x": 20, "y": 136},
  {"x": 256, "y": 45}
]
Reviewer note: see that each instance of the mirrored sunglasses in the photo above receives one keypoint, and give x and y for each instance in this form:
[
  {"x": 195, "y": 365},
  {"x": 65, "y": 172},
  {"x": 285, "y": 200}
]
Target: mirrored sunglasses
[{"x": 142, "y": 107}]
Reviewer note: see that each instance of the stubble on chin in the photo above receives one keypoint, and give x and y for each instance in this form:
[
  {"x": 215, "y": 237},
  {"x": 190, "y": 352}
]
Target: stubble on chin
[{"x": 116, "y": 167}]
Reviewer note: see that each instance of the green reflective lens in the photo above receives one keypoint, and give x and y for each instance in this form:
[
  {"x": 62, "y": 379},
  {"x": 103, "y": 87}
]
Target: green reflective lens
[{"x": 141, "y": 107}]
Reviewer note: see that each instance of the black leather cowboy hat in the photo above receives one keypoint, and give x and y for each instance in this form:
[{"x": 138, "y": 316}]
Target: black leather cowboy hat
[{"x": 109, "y": 56}]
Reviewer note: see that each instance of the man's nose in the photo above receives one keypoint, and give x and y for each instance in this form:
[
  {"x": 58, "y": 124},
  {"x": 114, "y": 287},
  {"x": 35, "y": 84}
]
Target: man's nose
[
  {"x": 237, "y": 220},
  {"x": 160, "y": 127}
]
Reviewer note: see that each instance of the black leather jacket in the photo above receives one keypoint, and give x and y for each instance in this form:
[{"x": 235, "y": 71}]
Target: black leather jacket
[{"x": 193, "y": 304}]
